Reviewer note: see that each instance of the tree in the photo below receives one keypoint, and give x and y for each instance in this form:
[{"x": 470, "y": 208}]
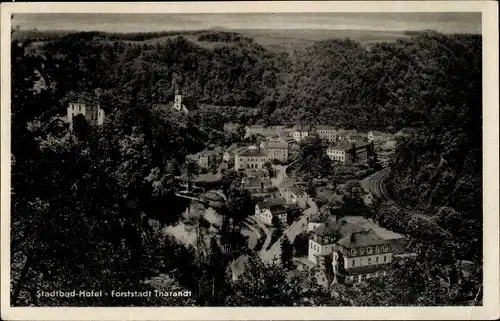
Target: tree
[
  {"x": 301, "y": 244},
  {"x": 269, "y": 167},
  {"x": 312, "y": 159},
  {"x": 268, "y": 285},
  {"x": 81, "y": 127},
  {"x": 352, "y": 198},
  {"x": 286, "y": 253}
]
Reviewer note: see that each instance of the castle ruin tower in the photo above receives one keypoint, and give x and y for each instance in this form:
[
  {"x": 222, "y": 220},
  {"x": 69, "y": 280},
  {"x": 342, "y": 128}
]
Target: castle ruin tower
[{"x": 178, "y": 100}]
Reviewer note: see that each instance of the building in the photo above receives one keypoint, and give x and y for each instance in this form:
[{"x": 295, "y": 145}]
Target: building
[
  {"x": 276, "y": 148},
  {"x": 301, "y": 132},
  {"x": 326, "y": 230},
  {"x": 342, "y": 135},
  {"x": 294, "y": 195},
  {"x": 361, "y": 255},
  {"x": 177, "y": 105},
  {"x": 349, "y": 152},
  {"x": 355, "y": 136},
  {"x": 250, "y": 158},
  {"x": 396, "y": 240},
  {"x": 327, "y": 133},
  {"x": 376, "y": 136},
  {"x": 271, "y": 207},
  {"x": 204, "y": 160},
  {"x": 256, "y": 185},
  {"x": 92, "y": 113},
  {"x": 231, "y": 152},
  {"x": 263, "y": 130}
]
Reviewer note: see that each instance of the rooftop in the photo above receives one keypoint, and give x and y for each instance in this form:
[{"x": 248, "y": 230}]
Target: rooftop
[
  {"x": 239, "y": 265},
  {"x": 275, "y": 205},
  {"x": 368, "y": 224},
  {"x": 347, "y": 146},
  {"x": 325, "y": 127},
  {"x": 332, "y": 227},
  {"x": 277, "y": 145},
  {"x": 268, "y": 202},
  {"x": 361, "y": 239},
  {"x": 285, "y": 185},
  {"x": 255, "y": 182},
  {"x": 252, "y": 152},
  {"x": 302, "y": 128},
  {"x": 378, "y": 133},
  {"x": 342, "y": 132},
  {"x": 297, "y": 191},
  {"x": 232, "y": 147},
  {"x": 355, "y": 132}
]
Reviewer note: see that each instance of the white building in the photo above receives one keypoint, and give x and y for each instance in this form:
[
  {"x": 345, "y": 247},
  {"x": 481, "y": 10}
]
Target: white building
[
  {"x": 300, "y": 132},
  {"x": 376, "y": 136},
  {"x": 327, "y": 133},
  {"x": 349, "y": 152},
  {"x": 326, "y": 230},
  {"x": 294, "y": 195},
  {"x": 92, "y": 113},
  {"x": 277, "y": 148},
  {"x": 268, "y": 208},
  {"x": 178, "y": 103},
  {"x": 250, "y": 158},
  {"x": 361, "y": 255}
]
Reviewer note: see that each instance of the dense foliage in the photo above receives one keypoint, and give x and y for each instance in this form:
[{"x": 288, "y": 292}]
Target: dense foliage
[{"x": 82, "y": 204}]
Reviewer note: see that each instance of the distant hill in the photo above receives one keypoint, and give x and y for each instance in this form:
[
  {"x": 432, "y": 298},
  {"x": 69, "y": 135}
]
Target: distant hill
[{"x": 326, "y": 76}]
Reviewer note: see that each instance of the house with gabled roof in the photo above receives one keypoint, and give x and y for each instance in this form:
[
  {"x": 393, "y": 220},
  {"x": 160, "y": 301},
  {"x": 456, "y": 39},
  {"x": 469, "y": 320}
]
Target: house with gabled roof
[
  {"x": 325, "y": 231},
  {"x": 356, "y": 136},
  {"x": 377, "y": 136},
  {"x": 251, "y": 157},
  {"x": 270, "y": 207},
  {"x": 360, "y": 255}
]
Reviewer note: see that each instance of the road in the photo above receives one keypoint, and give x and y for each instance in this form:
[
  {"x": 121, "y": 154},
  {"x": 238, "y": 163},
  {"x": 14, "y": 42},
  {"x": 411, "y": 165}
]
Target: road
[
  {"x": 291, "y": 232},
  {"x": 375, "y": 185},
  {"x": 253, "y": 240},
  {"x": 295, "y": 228},
  {"x": 264, "y": 228}
]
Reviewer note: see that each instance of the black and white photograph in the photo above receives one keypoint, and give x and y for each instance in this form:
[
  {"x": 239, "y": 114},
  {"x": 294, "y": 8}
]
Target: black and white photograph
[{"x": 247, "y": 160}]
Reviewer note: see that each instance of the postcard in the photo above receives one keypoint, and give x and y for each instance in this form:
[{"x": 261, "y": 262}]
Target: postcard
[{"x": 250, "y": 160}]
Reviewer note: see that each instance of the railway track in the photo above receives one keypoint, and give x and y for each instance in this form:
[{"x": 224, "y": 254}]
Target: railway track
[{"x": 377, "y": 187}]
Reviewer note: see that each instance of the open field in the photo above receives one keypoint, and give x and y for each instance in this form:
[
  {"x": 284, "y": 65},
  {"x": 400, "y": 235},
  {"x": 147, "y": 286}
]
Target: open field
[
  {"x": 293, "y": 39},
  {"x": 279, "y": 40}
]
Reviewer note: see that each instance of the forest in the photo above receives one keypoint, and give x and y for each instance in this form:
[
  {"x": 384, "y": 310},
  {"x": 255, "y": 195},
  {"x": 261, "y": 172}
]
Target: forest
[{"x": 82, "y": 205}]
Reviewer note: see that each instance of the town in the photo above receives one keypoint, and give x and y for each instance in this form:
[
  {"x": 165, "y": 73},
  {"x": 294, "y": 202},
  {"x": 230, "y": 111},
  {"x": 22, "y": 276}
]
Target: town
[
  {"x": 338, "y": 247},
  {"x": 245, "y": 168}
]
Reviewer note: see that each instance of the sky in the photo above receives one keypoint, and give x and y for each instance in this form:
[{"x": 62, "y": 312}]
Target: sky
[{"x": 449, "y": 22}]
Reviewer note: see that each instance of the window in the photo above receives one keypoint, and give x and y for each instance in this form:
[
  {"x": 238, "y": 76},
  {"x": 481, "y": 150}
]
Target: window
[
  {"x": 385, "y": 258},
  {"x": 376, "y": 259},
  {"x": 377, "y": 249},
  {"x": 369, "y": 250},
  {"x": 369, "y": 260},
  {"x": 353, "y": 262},
  {"x": 361, "y": 251}
]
